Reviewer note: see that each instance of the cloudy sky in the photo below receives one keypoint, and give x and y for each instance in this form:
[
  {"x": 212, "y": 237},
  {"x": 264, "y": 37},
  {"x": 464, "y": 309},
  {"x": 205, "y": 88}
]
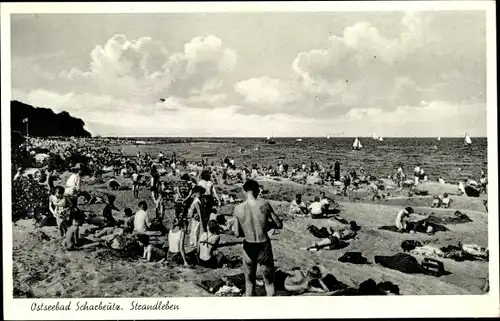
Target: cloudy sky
[{"x": 255, "y": 74}]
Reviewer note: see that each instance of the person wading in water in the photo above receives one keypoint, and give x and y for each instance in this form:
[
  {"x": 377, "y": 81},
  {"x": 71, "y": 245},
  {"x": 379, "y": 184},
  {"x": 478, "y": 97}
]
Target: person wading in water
[{"x": 254, "y": 218}]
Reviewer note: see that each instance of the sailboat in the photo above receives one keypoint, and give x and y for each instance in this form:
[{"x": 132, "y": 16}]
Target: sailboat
[
  {"x": 375, "y": 136},
  {"x": 271, "y": 140},
  {"x": 380, "y": 139},
  {"x": 298, "y": 139},
  {"x": 439, "y": 138},
  {"x": 328, "y": 137},
  {"x": 468, "y": 140},
  {"x": 357, "y": 144}
]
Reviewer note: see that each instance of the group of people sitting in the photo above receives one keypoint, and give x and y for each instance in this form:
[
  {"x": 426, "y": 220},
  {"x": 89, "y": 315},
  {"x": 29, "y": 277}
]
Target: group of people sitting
[{"x": 320, "y": 207}]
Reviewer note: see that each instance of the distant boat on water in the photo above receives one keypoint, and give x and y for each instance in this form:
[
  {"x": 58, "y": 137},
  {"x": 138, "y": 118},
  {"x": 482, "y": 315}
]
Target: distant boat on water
[
  {"x": 380, "y": 139},
  {"x": 375, "y": 136},
  {"x": 298, "y": 140},
  {"x": 328, "y": 137},
  {"x": 270, "y": 140},
  {"x": 467, "y": 140},
  {"x": 439, "y": 138},
  {"x": 357, "y": 144}
]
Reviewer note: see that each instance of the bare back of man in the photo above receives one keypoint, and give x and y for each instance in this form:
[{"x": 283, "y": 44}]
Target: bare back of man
[{"x": 254, "y": 218}]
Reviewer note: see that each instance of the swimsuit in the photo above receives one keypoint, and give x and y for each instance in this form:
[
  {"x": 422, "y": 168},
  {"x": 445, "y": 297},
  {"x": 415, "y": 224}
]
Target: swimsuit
[{"x": 259, "y": 253}]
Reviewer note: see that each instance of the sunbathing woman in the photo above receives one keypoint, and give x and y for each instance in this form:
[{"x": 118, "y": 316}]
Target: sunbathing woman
[
  {"x": 298, "y": 282},
  {"x": 208, "y": 244},
  {"x": 337, "y": 238}
]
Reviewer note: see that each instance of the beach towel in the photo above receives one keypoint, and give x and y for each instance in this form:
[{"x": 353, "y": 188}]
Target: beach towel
[
  {"x": 471, "y": 191},
  {"x": 401, "y": 262},
  {"x": 409, "y": 245},
  {"x": 428, "y": 250},
  {"x": 353, "y": 257},
  {"x": 322, "y": 233}
]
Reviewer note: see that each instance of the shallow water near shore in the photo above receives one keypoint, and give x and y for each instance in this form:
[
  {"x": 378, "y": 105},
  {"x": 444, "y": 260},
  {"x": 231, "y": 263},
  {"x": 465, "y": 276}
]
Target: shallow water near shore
[{"x": 451, "y": 160}]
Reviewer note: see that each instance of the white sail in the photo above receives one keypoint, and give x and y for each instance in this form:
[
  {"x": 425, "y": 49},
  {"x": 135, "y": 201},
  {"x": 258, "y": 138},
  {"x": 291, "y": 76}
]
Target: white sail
[
  {"x": 381, "y": 138},
  {"x": 299, "y": 139},
  {"x": 439, "y": 138},
  {"x": 357, "y": 144},
  {"x": 328, "y": 137},
  {"x": 268, "y": 137},
  {"x": 468, "y": 140},
  {"x": 375, "y": 136}
]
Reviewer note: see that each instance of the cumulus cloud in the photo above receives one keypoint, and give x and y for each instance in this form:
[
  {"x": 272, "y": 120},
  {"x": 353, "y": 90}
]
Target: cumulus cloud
[
  {"x": 144, "y": 68},
  {"x": 266, "y": 90}
]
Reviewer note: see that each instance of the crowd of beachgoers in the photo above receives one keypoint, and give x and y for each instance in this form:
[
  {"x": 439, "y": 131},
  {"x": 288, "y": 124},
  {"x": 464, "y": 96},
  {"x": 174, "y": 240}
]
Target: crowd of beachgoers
[{"x": 186, "y": 198}]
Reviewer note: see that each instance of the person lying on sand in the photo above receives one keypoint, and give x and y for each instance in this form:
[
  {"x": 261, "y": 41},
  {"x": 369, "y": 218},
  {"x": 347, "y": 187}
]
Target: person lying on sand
[
  {"x": 336, "y": 239},
  {"x": 298, "y": 282},
  {"x": 297, "y": 206}
]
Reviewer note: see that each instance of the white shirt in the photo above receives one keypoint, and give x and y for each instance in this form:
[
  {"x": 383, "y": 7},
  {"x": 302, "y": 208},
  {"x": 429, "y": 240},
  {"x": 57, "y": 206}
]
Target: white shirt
[
  {"x": 324, "y": 202},
  {"x": 141, "y": 221},
  {"x": 232, "y": 161},
  {"x": 399, "y": 218},
  {"x": 417, "y": 170},
  {"x": 72, "y": 185},
  {"x": 316, "y": 208},
  {"x": 135, "y": 176}
]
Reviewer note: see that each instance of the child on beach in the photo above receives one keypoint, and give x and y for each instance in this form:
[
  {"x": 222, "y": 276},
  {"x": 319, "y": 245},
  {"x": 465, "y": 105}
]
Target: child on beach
[
  {"x": 135, "y": 184},
  {"x": 59, "y": 207},
  {"x": 151, "y": 253},
  {"x": 446, "y": 201},
  {"x": 128, "y": 225},
  {"x": 436, "y": 202},
  {"x": 107, "y": 212},
  {"x": 315, "y": 208},
  {"x": 72, "y": 238},
  {"x": 297, "y": 206}
]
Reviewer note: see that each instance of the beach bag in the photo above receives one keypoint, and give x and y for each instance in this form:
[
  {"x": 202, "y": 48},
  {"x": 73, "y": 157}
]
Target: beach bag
[
  {"x": 432, "y": 267},
  {"x": 409, "y": 245}
]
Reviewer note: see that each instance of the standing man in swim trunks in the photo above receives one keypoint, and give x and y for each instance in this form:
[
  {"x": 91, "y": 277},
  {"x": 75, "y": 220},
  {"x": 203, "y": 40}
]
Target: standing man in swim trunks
[{"x": 254, "y": 218}]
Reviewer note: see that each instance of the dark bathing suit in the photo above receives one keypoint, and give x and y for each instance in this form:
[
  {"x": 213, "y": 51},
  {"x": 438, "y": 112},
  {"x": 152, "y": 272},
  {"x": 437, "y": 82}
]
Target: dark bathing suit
[{"x": 260, "y": 252}]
